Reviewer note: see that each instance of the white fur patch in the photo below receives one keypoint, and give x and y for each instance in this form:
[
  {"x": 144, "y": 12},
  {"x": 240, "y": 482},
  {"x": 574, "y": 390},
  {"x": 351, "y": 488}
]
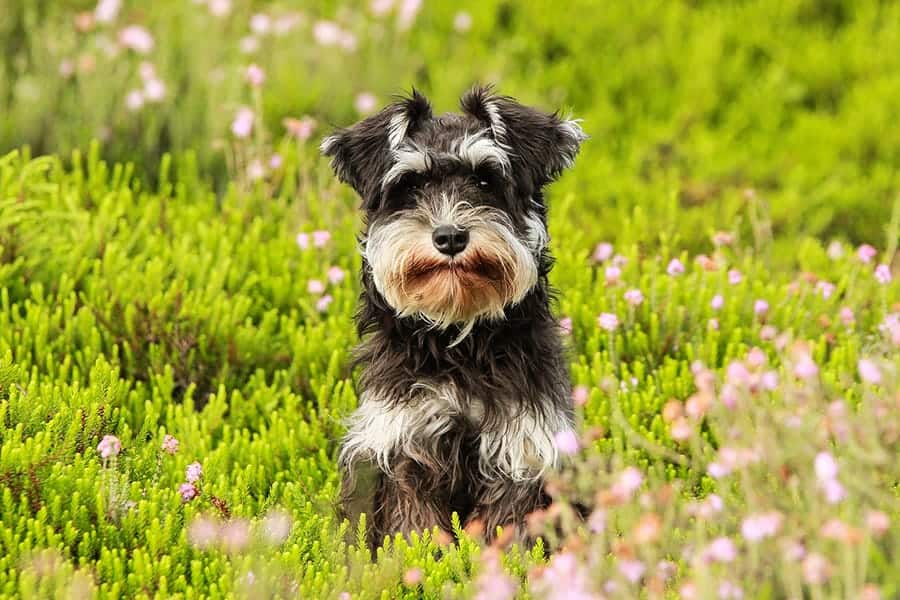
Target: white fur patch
[
  {"x": 520, "y": 447},
  {"x": 537, "y": 233},
  {"x": 571, "y": 128},
  {"x": 478, "y": 149},
  {"x": 408, "y": 160},
  {"x": 328, "y": 143},
  {"x": 397, "y": 129},
  {"x": 498, "y": 128}
]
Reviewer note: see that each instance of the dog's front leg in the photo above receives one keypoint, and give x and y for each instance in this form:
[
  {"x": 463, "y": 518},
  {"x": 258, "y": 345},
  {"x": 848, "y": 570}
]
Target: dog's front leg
[{"x": 504, "y": 502}]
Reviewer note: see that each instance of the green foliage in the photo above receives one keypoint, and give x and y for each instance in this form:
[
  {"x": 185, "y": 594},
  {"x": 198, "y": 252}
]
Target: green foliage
[{"x": 151, "y": 286}]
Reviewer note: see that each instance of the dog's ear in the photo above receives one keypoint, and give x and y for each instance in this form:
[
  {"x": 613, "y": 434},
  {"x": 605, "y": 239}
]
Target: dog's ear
[
  {"x": 362, "y": 154},
  {"x": 541, "y": 145}
]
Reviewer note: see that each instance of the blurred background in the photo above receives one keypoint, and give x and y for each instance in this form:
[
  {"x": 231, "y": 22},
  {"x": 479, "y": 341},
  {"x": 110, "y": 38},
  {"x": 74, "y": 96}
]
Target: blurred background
[{"x": 777, "y": 116}]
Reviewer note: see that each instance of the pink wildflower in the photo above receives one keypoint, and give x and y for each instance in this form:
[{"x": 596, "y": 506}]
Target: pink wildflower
[
  {"x": 866, "y": 253},
  {"x": 365, "y": 103},
  {"x": 634, "y": 297},
  {"x": 235, "y": 535},
  {"x": 154, "y": 90},
  {"x": 580, "y": 395},
  {"x": 825, "y": 466},
  {"x": 243, "y": 123},
  {"x": 260, "y": 23},
  {"x": 324, "y": 302},
  {"x": 188, "y": 492},
  {"x": 597, "y": 521},
  {"x": 613, "y": 273},
  {"x": 256, "y": 170},
  {"x": 135, "y": 37},
  {"x": 759, "y": 526},
  {"x": 219, "y": 8},
  {"x": 805, "y": 367},
  {"x": 407, "y": 12},
  {"x": 315, "y": 286},
  {"x": 869, "y": 371},
  {"x": 816, "y": 569},
  {"x": 734, "y": 277},
  {"x": 717, "y": 302},
  {"x": 301, "y": 129},
  {"x": 109, "y": 446},
  {"x": 194, "y": 472},
  {"x": 107, "y": 11},
  {"x": 203, "y": 531},
  {"x": 603, "y": 252},
  {"x": 321, "y": 238},
  {"x": 170, "y": 444},
  {"x": 883, "y": 274},
  {"x": 336, "y": 275},
  {"x": 275, "y": 161},
  {"x": 675, "y": 267},
  {"x": 630, "y": 480},
  {"x": 722, "y": 238},
  {"x": 826, "y": 289},
  {"x": 728, "y": 590},
  {"x": 761, "y": 308},
  {"x": 877, "y": 522},
  {"x": 412, "y": 576},
  {"x": 255, "y": 75},
  {"x": 303, "y": 241},
  {"x": 721, "y": 549},
  {"x": 134, "y": 100},
  {"x": 835, "y": 250},
  {"x": 566, "y": 442},
  {"x": 632, "y": 570},
  {"x": 462, "y": 22},
  {"x": 847, "y": 317},
  {"x": 834, "y": 491},
  {"x": 608, "y": 321}
]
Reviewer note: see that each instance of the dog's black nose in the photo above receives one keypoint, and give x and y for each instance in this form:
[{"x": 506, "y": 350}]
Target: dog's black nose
[{"x": 449, "y": 239}]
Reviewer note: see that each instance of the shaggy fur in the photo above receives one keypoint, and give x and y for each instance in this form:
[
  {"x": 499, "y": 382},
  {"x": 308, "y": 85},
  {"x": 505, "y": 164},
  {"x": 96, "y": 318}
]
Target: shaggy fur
[{"x": 464, "y": 384}]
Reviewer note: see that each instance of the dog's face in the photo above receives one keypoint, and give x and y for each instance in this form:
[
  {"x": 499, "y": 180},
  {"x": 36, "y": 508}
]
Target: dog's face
[{"x": 456, "y": 222}]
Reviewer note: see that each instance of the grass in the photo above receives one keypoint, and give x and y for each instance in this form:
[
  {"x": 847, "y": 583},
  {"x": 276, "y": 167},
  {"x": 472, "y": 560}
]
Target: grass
[{"x": 152, "y": 284}]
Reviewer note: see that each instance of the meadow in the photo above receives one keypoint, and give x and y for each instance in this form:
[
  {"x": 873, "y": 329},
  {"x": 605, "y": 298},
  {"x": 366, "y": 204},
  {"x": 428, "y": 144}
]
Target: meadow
[{"x": 179, "y": 273}]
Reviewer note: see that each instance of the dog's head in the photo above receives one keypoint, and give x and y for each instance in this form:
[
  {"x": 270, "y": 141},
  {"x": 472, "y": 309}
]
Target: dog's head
[{"x": 456, "y": 222}]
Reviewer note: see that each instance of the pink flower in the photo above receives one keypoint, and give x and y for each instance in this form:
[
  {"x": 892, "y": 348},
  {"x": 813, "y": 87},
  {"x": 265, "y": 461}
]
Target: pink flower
[
  {"x": 365, "y": 103},
  {"x": 619, "y": 260},
  {"x": 634, "y": 297},
  {"x": 260, "y": 23},
  {"x": 805, "y": 367},
  {"x": 315, "y": 286},
  {"x": 675, "y": 267},
  {"x": 868, "y": 371},
  {"x": 756, "y": 527},
  {"x": 203, "y": 531},
  {"x": 632, "y": 570},
  {"x": 303, "y": 240},
  {"x": 722, "y": 238},
  {"x": 603, "y": 252},
  {"x": 769, "y": 380},
  {"x": 737, "y": 373},
  {"x": 324, "y": 302},
  {"x": 412, "y": 576},
  {"x": 734, "y": 277},
  {"x": 406, "y": 15},
  {"x": 188, "y": 492},
  {"x": 320, "y": 238},
  {"x": 255, "y": 75},
  {"x": 847, "y": 317},
  {"x": 681, "y": 430},
  {"x": 717, "y": 302},
  {"x": 612, "y": 274},
  {"x": 608, "y": 321},
  {"x": 235, "y": 535},
  {"x": 717, "y": 470},
  {"x": 834, "y": 491},
  {"x": 688, "y": 591},
  {"x": 760, "y": 307},
  {"x": 721, "y": 549},
  {"x": 326, "y": 33},
  {"x": 729, "y": 590},
  {"x": 877, "y": 522},
  {"x": 630, "y": 480},
  {"x": 826, "y": 289},
  {"x": 135, "y": 37},
  {"x": 566, "y": 325},
  {"x": 336, "y": 275},
  {"x": 107, "y": 11},
  {"x": 256, "y": 170},
  {"x": 380, "y": 8},
  {"x": 826, "y": 467},
  {"x": 767, "y": 332},
  {"x": 580, "y": 395},
  {"x": 242, "y": 125},
  {"x": 219, "y": 8},
  {"x": 249, "y": 44},
  {"x": 566, "y": 442},
  {"x": 891, "y": 328},
  {"x": 835, "y": 250},
  {"x": 866, "y": 253},
  {"x": 756, "y": 357},
  {"x": 816, "y": 569},
  {"x": 597, "y": 521},
  {"x": 134, "y": 100},
  {"x": 713, "y": 324},
  {"x": 169, "y": 444},
  {"x": 109, "y": 446},
  {"x": 276, "y": 526},
  {"x": 275, "y": 162},
  {"x": 301, "y": 129},
  {"x": 883, "y": 274},
  {"x": 194, "y": 472},
  {"x": 462, "y": 22},
  {"x": 154, "y": 90}
]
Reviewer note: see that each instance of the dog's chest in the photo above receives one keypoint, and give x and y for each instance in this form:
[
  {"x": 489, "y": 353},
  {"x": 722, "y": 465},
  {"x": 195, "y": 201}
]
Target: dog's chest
[{"x": 517, "y": 446}]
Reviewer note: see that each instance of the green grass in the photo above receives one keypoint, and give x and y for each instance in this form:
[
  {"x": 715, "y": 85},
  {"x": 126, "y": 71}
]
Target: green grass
[{"x": 149, "y": 286}]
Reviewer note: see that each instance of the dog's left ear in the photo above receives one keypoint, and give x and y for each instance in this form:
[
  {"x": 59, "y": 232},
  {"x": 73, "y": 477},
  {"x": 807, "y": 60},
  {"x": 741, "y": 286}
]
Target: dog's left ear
[
  {"x": 362, "y": 154},
  {"x": 541, "y": 145}
]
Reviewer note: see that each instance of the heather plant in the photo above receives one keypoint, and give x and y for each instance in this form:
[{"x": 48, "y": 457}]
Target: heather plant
[{"x": 178, "y": 275}]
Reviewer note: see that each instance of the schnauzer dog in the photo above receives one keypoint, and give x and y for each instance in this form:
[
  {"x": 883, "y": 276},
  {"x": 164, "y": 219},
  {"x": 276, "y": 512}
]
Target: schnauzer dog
[{"x": 464, "y": 383}]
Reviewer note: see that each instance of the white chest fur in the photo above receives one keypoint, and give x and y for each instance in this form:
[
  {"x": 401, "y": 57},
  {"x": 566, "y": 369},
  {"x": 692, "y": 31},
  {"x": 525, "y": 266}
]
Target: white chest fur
[{"x": 519, "y": 447}]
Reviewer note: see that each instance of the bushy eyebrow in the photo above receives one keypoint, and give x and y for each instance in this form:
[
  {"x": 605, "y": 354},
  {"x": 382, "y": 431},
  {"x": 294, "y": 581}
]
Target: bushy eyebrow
[{"x": 475, "y": 150}]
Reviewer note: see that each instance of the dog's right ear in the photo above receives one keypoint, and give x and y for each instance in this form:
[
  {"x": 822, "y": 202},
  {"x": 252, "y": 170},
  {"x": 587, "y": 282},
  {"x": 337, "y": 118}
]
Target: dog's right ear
[{"x": 361, "y": 155}]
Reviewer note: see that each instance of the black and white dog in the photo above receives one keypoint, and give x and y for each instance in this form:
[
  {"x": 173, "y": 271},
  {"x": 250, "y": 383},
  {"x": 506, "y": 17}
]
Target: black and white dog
[{"x": 464, "y": 383}]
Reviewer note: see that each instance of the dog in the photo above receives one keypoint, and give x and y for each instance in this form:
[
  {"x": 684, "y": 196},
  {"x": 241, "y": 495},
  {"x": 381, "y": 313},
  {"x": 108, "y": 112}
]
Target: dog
[{"x": 464, "y": 383}]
